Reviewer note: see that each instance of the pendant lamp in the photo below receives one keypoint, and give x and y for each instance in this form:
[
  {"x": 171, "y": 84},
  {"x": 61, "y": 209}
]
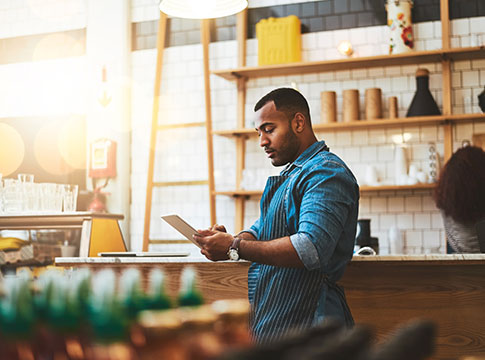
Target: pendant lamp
[{"x": 202, "y": 9}]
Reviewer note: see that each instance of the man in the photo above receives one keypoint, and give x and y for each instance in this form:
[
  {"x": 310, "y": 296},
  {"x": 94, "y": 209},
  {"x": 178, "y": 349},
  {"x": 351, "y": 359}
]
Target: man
[{"x": 304, "y": 238}]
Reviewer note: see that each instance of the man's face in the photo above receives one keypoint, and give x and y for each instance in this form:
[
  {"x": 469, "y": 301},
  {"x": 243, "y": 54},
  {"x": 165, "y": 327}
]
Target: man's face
[{"x": 276, "y": 135}]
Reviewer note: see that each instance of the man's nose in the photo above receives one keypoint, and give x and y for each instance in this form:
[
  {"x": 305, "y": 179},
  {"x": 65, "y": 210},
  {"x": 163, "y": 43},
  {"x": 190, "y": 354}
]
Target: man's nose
[{"x": 263, "y": 140}]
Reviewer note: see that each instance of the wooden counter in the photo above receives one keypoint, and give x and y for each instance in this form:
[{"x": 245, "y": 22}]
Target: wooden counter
[{"x": 382, "y": 291}]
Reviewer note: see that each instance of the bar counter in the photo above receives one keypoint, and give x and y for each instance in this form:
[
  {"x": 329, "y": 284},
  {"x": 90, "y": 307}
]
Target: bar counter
[{"x": 382, "y": 291}]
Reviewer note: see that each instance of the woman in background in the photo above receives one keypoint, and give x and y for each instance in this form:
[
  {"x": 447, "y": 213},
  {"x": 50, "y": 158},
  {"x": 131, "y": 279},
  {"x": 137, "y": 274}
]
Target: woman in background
[{"x": 460, "y": 195}]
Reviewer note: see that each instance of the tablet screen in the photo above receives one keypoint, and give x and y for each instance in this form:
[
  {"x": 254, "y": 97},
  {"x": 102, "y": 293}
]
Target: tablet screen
[{"x": 181, "y": 226}]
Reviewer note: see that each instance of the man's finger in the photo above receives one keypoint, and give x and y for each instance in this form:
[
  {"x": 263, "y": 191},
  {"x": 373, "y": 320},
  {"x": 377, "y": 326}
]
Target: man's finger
[
  {"x": 206, "y": 232},
  {"x": 198, "y": 239}
]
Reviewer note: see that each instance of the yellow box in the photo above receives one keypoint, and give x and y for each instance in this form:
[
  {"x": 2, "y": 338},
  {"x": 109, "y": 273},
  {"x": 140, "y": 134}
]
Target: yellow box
[{"x": 279, "y": 40}]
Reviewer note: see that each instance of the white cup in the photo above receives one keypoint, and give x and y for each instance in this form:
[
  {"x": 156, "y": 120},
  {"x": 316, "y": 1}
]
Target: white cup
[{"x": 371, "y": 177}]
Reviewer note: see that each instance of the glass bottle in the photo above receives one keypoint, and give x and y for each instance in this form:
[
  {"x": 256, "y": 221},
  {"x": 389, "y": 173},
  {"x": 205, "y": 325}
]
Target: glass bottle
[
  {"x": 201, "y": 341},
  {"x": 158, "y": 335},
  {"x": 108, "y": 319},
  {"x": 232, "y": 323},
  {"x": 189, "y": 294},
  {"x": 423, "y": 102},
  {"x": 157, "y": 298},
  {"x": 17, "y": 318}
]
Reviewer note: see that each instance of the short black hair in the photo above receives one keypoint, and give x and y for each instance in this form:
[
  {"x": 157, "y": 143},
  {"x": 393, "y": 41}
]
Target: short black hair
[{"x": 286, "y": 100}]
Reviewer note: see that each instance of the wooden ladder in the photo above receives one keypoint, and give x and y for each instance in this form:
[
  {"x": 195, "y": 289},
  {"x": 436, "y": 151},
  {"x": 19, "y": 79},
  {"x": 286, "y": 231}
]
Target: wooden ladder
[{"x": 156, "y": 128}]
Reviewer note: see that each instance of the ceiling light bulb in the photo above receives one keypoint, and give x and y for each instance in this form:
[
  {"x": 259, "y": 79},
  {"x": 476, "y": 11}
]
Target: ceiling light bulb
[
  {"x": 202, "y": 9},
  {"x": 345, "y": 48}
]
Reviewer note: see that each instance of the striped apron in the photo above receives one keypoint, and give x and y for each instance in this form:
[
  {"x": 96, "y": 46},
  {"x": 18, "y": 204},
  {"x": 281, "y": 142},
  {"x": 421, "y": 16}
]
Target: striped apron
[{"x": 287, "y": 299}]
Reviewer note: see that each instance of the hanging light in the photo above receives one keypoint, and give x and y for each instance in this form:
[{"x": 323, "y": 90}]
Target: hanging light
[{"x": 202, "y": 9}]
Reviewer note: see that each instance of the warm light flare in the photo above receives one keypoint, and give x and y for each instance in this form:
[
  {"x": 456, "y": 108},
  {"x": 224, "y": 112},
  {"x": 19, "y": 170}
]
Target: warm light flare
[
  {"x": 72, "y": 143},
  {"x": 46, "y": 150},
  {"x": 53, "y": 46},
  {"x": 401, "y": 138},
  {"x": 345, "y": 48},
  {"x": 12, "y": 149}
]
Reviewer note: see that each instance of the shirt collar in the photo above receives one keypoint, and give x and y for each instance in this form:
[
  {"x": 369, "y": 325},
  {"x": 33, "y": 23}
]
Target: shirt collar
[{"x": 306, "y": 155}]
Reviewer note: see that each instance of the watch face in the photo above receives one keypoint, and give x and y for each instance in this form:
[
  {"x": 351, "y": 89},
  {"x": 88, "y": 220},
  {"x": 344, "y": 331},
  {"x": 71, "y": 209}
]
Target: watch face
[{"x": 233, "y": 254}]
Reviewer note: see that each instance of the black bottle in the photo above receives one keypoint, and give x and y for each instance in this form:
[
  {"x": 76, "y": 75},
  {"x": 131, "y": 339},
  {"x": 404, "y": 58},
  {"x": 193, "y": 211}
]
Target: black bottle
[
  {"x": 481, "y": 100},
  {"x": 423, "y": 102}
]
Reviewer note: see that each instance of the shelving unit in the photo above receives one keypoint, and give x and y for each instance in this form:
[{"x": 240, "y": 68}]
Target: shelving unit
[
  {"x": 446, "y": 55},
  {"x": 371, "y": 124},
  {"x": 413, "y": 58},
  {"x": 363, "y": 189}
]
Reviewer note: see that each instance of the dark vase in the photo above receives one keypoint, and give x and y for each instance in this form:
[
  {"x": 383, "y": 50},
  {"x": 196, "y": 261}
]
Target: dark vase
[
  {"x": 423, "y": 102},
  {"x": 363, "y": 238},
  {"x": 363, "y": 233},
  {"x": 481, "y": 100}
]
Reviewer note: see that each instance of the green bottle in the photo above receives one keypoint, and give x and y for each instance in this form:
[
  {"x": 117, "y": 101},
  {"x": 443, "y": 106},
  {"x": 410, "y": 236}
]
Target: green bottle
[
  {"x": 189, "y": 295},
  {"x": 131, "y": 296},
  {"x": 157, "y": 298},
  {"x": 17, "y": 316},
  {"x": 107, "y": 318}
]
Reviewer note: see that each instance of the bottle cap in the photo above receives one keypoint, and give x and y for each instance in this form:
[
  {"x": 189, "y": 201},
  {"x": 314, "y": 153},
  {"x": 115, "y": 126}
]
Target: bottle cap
[{"x": 422, "y": 72}]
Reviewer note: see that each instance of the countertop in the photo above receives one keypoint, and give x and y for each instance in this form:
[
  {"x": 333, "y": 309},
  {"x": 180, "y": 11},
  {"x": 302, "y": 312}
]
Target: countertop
[
  {"x": 382, "y": 291},
  {"x": 412, "y": 259}
]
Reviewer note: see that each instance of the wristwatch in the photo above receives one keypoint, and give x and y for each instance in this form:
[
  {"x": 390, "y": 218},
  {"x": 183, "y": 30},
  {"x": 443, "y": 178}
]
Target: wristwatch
[{"x": 233, "y": 252}]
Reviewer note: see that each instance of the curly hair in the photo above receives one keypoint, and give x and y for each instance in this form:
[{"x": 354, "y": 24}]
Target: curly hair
[{"x": 461, "y": 187}]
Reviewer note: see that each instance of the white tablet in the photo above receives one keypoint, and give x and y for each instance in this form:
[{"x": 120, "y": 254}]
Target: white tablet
[{"x": 181, "y": 226}]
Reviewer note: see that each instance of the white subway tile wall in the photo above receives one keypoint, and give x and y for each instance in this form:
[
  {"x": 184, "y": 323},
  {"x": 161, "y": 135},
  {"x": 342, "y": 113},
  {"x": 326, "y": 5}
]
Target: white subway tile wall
[
  {"x": 413, "y": 212},
  {"x": 183, "y": 153}
]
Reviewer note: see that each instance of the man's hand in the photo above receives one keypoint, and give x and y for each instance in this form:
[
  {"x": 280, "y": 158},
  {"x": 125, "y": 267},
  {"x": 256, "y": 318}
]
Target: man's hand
[
  {"x": 215, "y": 243},
  {"x": 217, "y": 227}
]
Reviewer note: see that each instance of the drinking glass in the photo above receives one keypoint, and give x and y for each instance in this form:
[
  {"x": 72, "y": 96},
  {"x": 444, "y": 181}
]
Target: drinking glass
[
  {"x": 26, "y": 182},
  {"x": 12, "y": 196},
  {"x": 69, "y": 197},
  {"x": 26, "y": 178},
  {"x": 51, "y": 197}
]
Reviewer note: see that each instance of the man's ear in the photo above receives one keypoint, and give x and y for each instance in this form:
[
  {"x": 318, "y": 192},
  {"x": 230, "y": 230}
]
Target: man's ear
[{"x": 299, "y": 122}]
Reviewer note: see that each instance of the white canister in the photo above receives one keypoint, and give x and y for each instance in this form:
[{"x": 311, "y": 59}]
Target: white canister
[
  {"x": 401, "y": 37},
  {"x": 395, "y": 241},
  {"x": 400, "y": 165}
]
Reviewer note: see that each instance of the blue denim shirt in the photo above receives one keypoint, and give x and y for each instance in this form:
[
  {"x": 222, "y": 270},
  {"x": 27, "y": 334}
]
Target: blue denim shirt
[{"x": 315, "y": 202}]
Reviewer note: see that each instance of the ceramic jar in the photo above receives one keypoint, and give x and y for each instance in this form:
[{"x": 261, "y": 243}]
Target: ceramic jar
[
  {"x": 329, "y": 107},
  {"x": 401, "y": 37},
  {"x": 351, "y": 105}
]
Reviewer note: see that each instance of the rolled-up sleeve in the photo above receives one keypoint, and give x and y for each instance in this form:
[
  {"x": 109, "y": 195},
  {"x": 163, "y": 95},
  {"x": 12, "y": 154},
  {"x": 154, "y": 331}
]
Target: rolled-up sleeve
[
  {"x": 328, "y": 195},
  {"x": 306, "y": 251},
  {"x": 253, "y": 230}
]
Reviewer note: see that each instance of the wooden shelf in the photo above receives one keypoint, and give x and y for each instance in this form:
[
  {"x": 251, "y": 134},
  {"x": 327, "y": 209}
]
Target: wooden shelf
[
  {"x": 363, "y": 189},
  {"x": 372, "y": 124},
  {"x": 240, "y": 193},
  {"x": 412, "y": 58}
]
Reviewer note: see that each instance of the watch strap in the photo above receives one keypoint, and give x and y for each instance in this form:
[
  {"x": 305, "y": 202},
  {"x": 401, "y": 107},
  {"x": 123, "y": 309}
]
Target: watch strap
[{"x": 235, "y": 243}]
